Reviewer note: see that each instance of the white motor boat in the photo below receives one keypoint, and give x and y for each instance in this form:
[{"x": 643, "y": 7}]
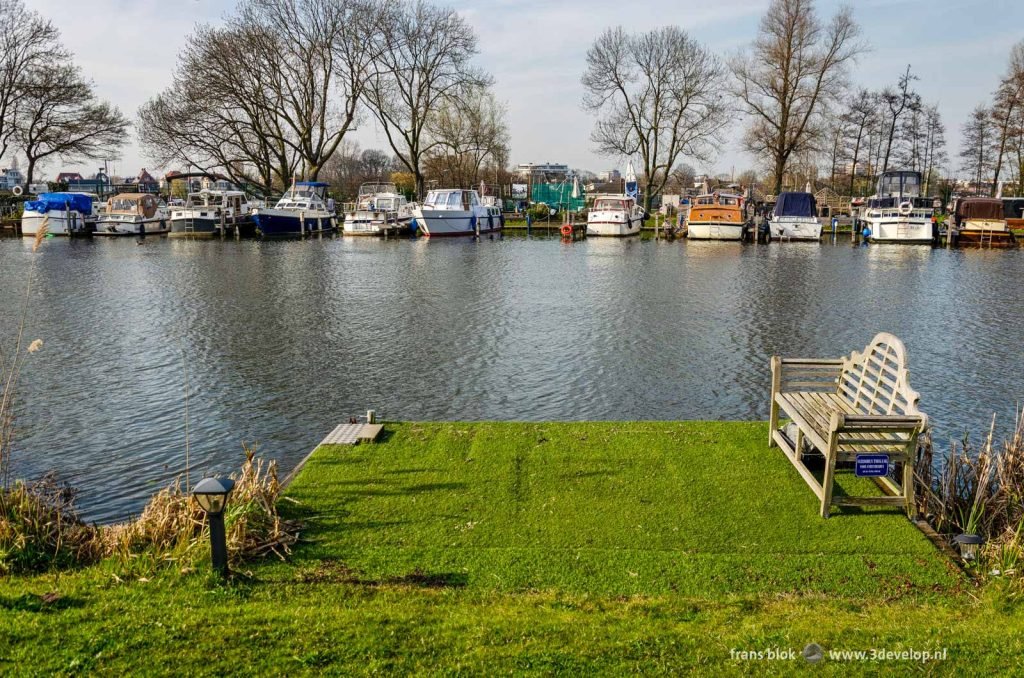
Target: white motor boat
[
  {"x": 795, "y": 217},
  {"x": 380, "y": 210},
  {"x": 450, "y": 212},
  {"x": 304, "y": 209},
  {"x": 133, "y": 214},
  {"x": 614, "y": 215},
  {"x": 897, "y": 213},
  {"x": 209, "y": 213},
  {"x": 63, "y": 214}
]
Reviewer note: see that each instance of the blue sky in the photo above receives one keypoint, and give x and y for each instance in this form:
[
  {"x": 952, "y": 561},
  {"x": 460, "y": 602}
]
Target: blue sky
[{"x": 536, "y": 49}]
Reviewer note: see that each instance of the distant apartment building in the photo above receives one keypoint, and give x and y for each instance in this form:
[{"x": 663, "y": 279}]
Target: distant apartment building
[
  {"x": 609, "y": 175},
  {"x": 858, "y": 170},
  {"x": 541, "y": 172}
]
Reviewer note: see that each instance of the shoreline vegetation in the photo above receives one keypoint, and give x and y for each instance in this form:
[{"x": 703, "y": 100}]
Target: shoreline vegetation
[{"x": 596, "y": 547}]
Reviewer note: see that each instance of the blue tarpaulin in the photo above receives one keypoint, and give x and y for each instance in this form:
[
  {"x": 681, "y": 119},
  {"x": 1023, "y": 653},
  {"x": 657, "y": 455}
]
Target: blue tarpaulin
[
  {"x": 796, "y": 205},
  {"x": 76, "y": 202}
]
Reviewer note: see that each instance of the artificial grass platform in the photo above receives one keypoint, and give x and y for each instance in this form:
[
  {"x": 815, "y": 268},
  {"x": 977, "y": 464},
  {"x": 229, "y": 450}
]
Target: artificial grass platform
[
  {"x": 583, "y": 548},
  {"x": 694, "y": 508}
]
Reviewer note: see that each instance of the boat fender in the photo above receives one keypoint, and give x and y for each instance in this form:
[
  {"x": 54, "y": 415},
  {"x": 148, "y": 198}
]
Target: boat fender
[
  {"x": 906, "y": 208},
  {"x": 566, "y": 230},
  {"x": 472, "y": 222},
  {"x": 866, "y": 232}
]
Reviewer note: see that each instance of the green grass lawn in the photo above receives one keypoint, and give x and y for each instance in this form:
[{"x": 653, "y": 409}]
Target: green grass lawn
[{"x": 573, "y": 547}]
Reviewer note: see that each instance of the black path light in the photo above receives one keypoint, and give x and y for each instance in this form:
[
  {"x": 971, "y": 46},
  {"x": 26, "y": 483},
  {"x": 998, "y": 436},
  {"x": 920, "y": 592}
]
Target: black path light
[{"x": 212, "y": 496}]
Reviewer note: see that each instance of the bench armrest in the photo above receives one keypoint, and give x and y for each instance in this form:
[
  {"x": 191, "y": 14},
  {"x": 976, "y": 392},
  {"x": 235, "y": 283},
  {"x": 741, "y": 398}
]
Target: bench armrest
[
  {"x": 850, "y": 423},
  {"x": 805, "y": 374}
]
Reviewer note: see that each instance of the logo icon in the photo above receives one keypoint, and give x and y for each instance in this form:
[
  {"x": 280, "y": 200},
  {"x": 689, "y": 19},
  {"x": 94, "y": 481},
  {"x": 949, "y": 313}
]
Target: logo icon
[{"x": 813, "y": 653}]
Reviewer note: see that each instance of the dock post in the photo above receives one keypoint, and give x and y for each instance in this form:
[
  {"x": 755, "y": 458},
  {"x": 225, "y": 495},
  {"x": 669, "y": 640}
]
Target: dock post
[
  {"x": 302, "y": 223},
  {"x": 371, "y": 416}
]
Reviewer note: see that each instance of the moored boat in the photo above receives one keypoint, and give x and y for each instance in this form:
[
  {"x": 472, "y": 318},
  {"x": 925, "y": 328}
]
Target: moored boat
[
  {"x": 980, "y": 221},
  {"x": 795, "y": 217},
  {"x": 716, "y": 216},
  {"x": 451, "y": 212},
  {"x": 614, "y": 215},
  {"x": 209, "y": 213},
  {"x": 133, "y": 214},
  {"x": 302, "y": 210},
  {"x": 897, "y": 213},
  {"x": 380, "y": 210},
  {"x": 63, "y": 214},
  {"x": 1013, "y": 212}
]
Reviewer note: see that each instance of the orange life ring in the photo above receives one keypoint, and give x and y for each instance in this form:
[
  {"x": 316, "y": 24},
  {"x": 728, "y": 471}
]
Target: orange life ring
[{"x": 566, "y": 230}]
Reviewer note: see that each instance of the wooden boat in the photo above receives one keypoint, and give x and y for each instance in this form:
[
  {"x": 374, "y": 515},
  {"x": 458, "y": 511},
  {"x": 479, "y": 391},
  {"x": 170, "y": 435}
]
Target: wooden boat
[
  {"x": 980, "y": 221},
  {"x": 716, "y": 216}
]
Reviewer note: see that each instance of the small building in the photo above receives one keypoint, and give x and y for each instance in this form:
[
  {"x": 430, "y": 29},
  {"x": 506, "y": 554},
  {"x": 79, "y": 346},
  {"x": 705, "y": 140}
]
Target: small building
[
  {"x": 541, "y": 172},
  {"x": 609, "y": 175},
  {"x": 143, "y": 183},
  {"x": 11, "y": 177},
  {"x": 68, "y": 177}
]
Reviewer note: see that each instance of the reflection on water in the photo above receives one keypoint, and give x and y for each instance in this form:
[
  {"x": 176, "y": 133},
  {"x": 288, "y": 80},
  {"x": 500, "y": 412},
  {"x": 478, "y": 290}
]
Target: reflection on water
[{"x": 283, "y": 340}]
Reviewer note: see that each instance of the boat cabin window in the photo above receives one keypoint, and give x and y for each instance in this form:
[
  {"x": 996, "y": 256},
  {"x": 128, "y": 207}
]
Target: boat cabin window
[
  {"x": 454, "y": 200},
  {"x": 123, "y": 205},
  {"x": 610, "y": 204},
  {"x": 385, "y": 203},
  {"x": 436, "y": 199},
  {"x": 728, "y": 200},
  {"x": 705, "y": 200}
]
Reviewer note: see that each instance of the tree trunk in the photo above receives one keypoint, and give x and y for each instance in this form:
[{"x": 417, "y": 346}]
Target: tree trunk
[
  {"x": 30, "y": 173},
  {"x": 780, "y": 167}
]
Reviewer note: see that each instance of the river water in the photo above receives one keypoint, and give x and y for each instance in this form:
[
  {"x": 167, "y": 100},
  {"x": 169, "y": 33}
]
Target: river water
[{"x": 281, "y": 341}]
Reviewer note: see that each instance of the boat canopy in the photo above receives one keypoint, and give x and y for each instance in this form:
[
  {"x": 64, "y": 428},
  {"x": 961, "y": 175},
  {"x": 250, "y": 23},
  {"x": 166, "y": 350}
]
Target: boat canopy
[
  {"x": 796, "y": 205},
  {"x": 1013, "y": 208},
  {"x": 139, "y": 204},
  {"x": 980, "y": 208},
  {"x": 78, "y": 202},
  {"x": 312, "y": 184}
]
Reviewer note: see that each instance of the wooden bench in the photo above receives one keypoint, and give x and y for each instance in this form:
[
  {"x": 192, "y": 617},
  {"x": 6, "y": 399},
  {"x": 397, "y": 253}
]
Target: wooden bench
[{"x": 847, "y": 407}]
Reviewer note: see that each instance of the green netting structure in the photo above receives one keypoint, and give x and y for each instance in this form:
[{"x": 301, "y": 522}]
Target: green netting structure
[{"x": 559, "y": 196}]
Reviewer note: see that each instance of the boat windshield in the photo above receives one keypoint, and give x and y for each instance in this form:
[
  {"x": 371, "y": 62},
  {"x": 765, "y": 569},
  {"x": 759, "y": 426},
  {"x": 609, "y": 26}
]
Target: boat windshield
[
  {"x": 610, "y": 204},
  {"x": 728, "y": 200},
  {"x": 440, "y": 198},
  {"x": 907, "y": 184},
  {"x": 385, "y": 203}
]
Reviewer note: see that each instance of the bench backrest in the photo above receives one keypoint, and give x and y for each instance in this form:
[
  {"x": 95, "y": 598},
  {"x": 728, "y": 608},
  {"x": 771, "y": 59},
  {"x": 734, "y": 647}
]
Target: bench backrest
[{"x": 875, "y": 380}]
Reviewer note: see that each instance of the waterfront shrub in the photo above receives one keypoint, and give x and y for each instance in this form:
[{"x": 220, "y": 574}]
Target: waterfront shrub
[
  {"x": 172, "y": 529},
  {"x": 40, "y": 530},
  {"x": 978, "y": 491}
]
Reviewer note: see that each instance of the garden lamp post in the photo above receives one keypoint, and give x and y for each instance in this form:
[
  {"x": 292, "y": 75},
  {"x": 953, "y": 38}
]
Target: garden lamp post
[
  {"x": 212, "y": 495},
  {"x": 969, "y": 545}
]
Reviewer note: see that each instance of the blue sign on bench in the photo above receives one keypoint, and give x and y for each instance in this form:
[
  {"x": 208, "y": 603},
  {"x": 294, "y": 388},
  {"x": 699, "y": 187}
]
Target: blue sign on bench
[{"x": 872, "y": 465}]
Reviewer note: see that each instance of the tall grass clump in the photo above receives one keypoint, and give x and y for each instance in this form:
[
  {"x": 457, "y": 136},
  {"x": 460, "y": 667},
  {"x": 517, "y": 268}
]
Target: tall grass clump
[
  {"x": 172, "y": 529},
  {"x": 978, "y": 490}
]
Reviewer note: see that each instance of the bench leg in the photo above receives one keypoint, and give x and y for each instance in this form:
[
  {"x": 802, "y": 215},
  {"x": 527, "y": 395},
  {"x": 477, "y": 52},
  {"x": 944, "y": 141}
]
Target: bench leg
[
  {"x": 830, "y": 466},
  {"x": 773, "y": 412},
  {"x": 798, "y": 452},
  {"x": 908, "y": 489}
]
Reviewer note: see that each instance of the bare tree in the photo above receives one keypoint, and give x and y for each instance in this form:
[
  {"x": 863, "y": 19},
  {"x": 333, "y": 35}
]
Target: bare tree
[
  {"x": 61, "y": 117},
  {"x": 27, "y": 43},
  {"x": 270, "y": 94},
  {"x": 976, "y": 151},
  {"x": 1009, "y": 99},
  {"x": 858, "y": 118},
  {"x": 795, "y": 71},
  {"x": 934, "y": 153},
  {"x": 424, "y": 62},
  {"x": 468, "y": 134},
  {"x": 898, "y": 100},
  {"x": 654, "y": 94}
]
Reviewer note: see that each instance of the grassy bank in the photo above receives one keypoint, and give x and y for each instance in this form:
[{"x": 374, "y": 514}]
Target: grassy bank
[{"x": 583, "y": 547}]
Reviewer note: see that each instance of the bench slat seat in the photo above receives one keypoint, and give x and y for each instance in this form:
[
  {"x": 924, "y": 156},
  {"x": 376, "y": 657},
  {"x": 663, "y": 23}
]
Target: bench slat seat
[{"x": 846, "y": 407}]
